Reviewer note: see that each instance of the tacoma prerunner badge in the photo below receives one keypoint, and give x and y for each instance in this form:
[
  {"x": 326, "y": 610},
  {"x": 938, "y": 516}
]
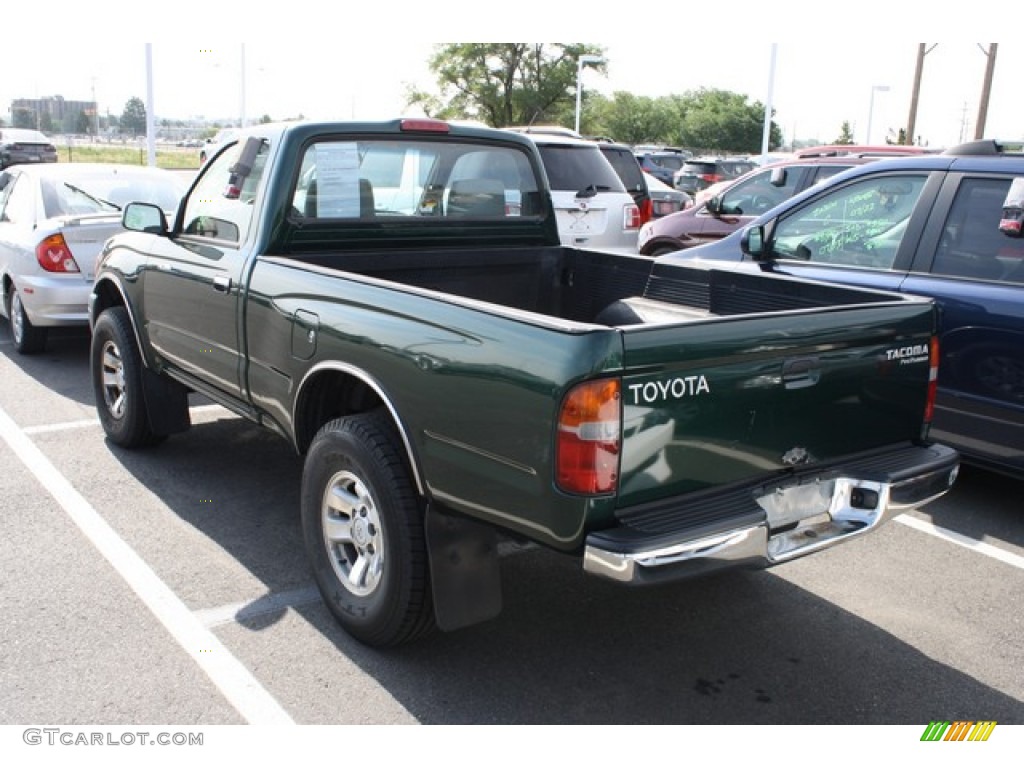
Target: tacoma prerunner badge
[{"x": 392, "y": 299}]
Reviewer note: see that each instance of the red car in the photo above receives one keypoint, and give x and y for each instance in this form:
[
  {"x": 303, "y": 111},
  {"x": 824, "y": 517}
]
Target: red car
[{"x": 739, "y": 203}]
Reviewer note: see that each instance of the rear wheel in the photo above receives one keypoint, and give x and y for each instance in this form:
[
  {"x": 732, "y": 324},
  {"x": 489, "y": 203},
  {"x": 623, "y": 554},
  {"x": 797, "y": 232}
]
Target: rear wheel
[
  {"x": 117, "y": 381},
  {"x": 28, "y": 339},
  {"x": 363, "y": 526}
]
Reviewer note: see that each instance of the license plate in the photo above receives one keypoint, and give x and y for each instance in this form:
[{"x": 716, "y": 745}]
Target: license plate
[
  {"x": 34, "y": 158},
  {"x": 786, "y": 506}
]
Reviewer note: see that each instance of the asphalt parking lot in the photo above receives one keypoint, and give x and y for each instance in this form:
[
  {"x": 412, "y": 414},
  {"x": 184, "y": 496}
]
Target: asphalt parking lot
[{"x": 170, "y": 586}]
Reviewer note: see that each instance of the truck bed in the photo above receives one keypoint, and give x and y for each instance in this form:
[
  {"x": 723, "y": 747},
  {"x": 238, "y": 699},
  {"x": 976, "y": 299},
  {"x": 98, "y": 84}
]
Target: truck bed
[{"x": 587, "y": 286}]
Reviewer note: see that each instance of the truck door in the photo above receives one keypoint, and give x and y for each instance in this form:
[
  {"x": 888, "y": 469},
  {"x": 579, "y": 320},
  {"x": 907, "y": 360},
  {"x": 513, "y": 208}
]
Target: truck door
[{"x": 192, "y": 281}]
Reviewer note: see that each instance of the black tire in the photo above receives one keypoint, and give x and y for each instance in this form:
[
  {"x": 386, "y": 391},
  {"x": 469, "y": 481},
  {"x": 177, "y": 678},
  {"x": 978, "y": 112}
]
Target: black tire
[
  {"x": 28, "y": 338},
  {"x": 116, "y": 369},
  {"x": 364, "y": 529}
]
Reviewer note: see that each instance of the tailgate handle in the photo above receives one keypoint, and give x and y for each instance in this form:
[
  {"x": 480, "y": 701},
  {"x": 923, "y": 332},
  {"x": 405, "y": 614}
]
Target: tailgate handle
[{"x": 800, "y": 372}]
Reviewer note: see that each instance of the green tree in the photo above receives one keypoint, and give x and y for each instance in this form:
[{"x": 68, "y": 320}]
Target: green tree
[
  {"x": 845, "y": 134},
  {"x": 504, "y": 84},
  {"x": 133, "y": 118},
  {"x": 46, "y": 122},
  {"x": 714, "y": 120},
  {"x": 83, "y": 124},
  {"x": 630, "y": 119}
]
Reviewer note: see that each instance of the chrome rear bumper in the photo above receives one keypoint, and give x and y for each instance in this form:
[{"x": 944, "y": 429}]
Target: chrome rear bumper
[{"x": 783, "y": 522}]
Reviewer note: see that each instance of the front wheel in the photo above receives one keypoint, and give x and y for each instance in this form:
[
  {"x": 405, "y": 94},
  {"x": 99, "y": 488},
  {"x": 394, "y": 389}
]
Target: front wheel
[
  {"x": 363, "y": 526},
  {"x": 28, "y": 338},
  {"x": 116, "y": 368}
]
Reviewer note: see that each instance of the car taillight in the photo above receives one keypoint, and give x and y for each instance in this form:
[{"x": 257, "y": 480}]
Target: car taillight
[
  {"x": 712, "y": 178},
  {"x": 631, "y": 217},
  {"x": 646, "y": 211},
  {"x": 933, "y": 384},
  {"x": 54, "y": 255},
  {"x": 589, "y": 438}
]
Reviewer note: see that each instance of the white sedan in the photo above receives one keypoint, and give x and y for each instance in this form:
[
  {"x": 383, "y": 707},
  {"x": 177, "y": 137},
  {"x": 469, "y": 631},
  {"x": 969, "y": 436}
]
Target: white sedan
[{"x": 54, "y": 220}]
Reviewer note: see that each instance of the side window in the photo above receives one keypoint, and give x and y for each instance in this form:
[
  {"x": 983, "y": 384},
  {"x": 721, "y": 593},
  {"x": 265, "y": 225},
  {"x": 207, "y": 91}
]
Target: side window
[
  {"x": 218, "y": 208},
  {"x": 971, "y": 244},
  {"x": 757, "y": 194},
  {"x": 858, "y": 224}
]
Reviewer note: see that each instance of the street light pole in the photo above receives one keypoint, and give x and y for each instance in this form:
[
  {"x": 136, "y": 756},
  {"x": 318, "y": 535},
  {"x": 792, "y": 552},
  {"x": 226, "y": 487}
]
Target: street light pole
[
  {"x": 871, "y": 110},
  {"x": 583, "y": 60}
]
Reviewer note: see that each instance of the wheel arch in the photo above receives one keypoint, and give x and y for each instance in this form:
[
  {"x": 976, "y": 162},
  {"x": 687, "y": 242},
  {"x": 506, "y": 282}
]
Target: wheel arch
[{"x": 333, "y": 389}]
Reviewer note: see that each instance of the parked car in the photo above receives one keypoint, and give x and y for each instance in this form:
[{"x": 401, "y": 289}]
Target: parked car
[
  {"x": 863, "y": 150},
  {"x": 737, "y": 202},
  {"x": 932, "y": 225},
  {"x": 662, "y": 165},
  {"x": 54, "y": 219},
  {"x": 665, "y": 200},
  {"x": 633, "y": 178},
  {"x": 21, "y": 145},
  {"x": 591, "y": 203},
  {"x": 696, "y": 174}
]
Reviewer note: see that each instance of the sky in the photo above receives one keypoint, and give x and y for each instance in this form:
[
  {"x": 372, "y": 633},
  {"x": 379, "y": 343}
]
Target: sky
[{"x": 361, "y": 70}]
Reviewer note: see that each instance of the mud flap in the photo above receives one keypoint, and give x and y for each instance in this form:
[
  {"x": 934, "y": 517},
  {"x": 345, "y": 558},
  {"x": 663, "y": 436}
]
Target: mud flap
[
  {"x": 172, "y": 398},
  {"x": 464, "y": 570}
]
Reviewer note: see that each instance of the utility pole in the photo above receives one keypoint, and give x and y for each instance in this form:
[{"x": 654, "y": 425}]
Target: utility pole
[
  {"x": 915, "y": 94},
  {"x": 986, "y": 90}
]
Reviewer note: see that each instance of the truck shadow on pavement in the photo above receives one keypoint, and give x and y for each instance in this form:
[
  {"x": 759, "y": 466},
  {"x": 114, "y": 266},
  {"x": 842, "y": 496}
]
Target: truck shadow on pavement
[
  {"x": 62, "y": 367},
  {"x": 740, "y": 647}
]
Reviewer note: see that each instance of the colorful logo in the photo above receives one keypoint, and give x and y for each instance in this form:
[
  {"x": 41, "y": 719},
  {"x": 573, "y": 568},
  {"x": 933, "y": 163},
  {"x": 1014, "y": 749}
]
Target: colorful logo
[{"x": 959, "y": 730}]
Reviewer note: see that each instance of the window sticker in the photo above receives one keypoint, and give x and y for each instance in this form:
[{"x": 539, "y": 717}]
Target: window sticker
[{"x": 337, "y": 172}]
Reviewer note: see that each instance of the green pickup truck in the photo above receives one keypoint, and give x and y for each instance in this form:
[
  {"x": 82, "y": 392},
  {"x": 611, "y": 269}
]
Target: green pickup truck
[{"x": 393, "y": 300}]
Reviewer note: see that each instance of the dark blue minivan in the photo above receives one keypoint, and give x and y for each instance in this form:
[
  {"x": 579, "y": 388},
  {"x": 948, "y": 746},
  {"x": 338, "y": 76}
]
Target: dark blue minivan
[{"x": 946, "y": 226}]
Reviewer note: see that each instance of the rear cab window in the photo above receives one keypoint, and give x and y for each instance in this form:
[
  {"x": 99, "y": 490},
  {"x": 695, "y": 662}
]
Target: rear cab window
[{"x": 376, "y": 178}]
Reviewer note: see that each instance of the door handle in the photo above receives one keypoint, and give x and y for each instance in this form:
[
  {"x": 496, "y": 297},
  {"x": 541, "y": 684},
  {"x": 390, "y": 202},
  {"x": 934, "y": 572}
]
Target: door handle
[
  {"x": 222, "y": 284},
  {"x": 801, "y": 372}
]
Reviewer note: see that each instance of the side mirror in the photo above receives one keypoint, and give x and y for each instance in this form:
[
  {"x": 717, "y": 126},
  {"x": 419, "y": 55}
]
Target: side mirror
[
  {"x": 778, "y": 177},
  {"x": 144, "y": 217},
  {"x": 713, "y": 205},
  {"x": 752, "y": 243}
]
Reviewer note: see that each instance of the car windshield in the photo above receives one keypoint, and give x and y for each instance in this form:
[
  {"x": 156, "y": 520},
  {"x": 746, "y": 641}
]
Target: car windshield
[
  {"x": 22, "y": 135},
  {"x": 672, "y": 162},
  {"x": 579, "y": 168},
  {"x": 83, "y": 194},
  {"x": 626, "y": 166}
]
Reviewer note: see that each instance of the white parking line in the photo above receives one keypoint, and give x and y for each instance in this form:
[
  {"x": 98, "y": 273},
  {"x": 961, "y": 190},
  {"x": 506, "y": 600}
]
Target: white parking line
[
  {"x": 964, "y": 541},
  {"x": 62, "y": 426},
  {"x": 238, "y": 685}
]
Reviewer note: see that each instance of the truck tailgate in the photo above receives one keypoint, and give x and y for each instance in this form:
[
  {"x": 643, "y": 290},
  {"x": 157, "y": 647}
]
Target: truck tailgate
[{"x": 725, "y": 400}]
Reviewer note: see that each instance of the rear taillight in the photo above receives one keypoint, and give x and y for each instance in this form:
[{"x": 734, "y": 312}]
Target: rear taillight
[
  {"x": 646, "y": 211},
  {"x": 933, "y": 384},
  {"x": 631, "y": 217},
  {"x": 589, "y": 438},
  {"x": 54, "y": 255},
  {"x": 712, "y": 178}
]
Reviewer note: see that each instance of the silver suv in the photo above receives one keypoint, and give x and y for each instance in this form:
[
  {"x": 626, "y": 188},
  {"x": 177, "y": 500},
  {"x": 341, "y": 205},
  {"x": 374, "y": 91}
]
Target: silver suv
[{"x": 593, "y": 208}]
